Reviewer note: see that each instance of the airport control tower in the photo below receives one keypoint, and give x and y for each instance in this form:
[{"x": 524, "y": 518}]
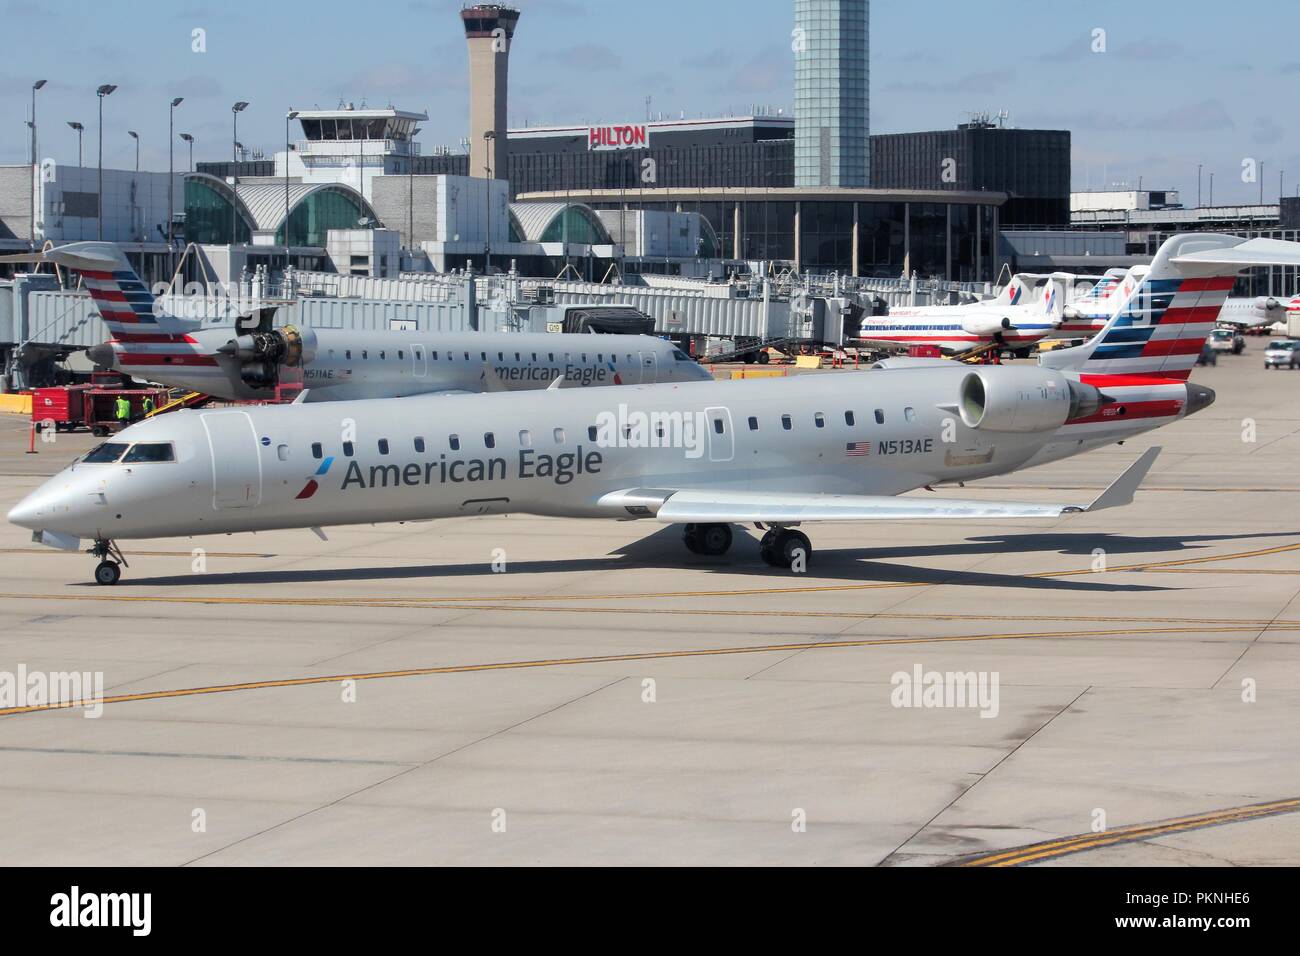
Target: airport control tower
[
  {"x": 832, "y": 82},
  {"x": 490, "y": 30}
]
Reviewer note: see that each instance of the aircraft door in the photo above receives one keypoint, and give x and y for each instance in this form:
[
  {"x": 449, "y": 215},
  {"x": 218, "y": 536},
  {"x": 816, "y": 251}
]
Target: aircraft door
[
  {"x": 649, "y": 368},
  {"x": 236, "y": 464},
  {"x": 419, "y": 364},
  {"x": 722, "y": 443}
]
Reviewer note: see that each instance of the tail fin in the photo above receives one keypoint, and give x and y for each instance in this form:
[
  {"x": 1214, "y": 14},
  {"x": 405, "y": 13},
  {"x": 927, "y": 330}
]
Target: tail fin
[
  {"x": 1052, "y": 300},
  {"x": 128, "y": 308},
  {"x": 1013, "y": 293},
  {"x": 1102, "y": 290},
  {"x": 1163, "y": 318}
]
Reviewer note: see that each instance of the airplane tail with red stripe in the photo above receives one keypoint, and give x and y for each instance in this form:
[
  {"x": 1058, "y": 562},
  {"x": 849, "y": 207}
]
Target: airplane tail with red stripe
[
  {"x": 1159, "y": 328},
  {"x": 124, "y": 302}
]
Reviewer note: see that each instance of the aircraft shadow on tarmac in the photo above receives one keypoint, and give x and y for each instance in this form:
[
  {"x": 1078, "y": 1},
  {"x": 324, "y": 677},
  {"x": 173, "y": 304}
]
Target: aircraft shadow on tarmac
[{"x": 664, "y": 548}]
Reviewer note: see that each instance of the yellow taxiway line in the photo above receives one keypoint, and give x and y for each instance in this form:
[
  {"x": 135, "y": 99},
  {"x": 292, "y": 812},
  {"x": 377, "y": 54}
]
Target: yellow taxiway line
[{"x": 1051, "y": 849}]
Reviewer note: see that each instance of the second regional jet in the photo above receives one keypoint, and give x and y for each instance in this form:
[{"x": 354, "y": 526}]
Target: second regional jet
[
  {"x": 775, "y": 453},
  {"x": 337, "y": 364}
]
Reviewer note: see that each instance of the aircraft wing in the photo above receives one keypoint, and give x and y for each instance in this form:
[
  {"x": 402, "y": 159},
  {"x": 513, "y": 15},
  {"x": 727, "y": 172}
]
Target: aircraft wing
[{"x": 687, "y": 506}]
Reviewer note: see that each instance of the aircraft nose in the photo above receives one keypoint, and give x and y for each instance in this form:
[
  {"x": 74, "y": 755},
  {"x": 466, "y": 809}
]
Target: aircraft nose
[{"x": 24, "y": 514}]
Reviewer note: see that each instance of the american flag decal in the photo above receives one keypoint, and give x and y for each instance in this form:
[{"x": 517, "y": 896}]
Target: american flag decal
[{"x": 857, "y": 449}]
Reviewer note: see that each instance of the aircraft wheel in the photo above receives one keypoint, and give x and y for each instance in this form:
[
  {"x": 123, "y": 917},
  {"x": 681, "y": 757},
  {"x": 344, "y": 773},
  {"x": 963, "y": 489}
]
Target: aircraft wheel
[
  {"x": 713, "y": 538},
  {"x": 792, "y": 546},
  {"x": 782, "y": 548},
  {"x": 107, "y": 572}
]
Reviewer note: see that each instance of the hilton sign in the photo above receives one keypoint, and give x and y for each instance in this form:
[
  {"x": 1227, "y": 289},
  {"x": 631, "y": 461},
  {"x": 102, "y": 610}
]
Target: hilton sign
[{"x": 618, "y": 137}]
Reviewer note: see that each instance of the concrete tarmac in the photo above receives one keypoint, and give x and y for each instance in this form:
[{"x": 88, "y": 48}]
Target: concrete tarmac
[{"x": 386, "y": 697}]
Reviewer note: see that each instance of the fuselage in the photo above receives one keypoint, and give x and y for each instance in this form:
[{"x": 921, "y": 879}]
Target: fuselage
[
  {"x": 558, "y": 453},
  {"x": 336, "y": 365}
]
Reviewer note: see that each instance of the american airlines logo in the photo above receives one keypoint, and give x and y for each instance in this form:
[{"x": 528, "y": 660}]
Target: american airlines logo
[{"x": 618, "y": 137}]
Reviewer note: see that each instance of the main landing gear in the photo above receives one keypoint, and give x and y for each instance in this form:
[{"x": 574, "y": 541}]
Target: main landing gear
[
  {"x": 711, "y": 539},
  {"x": 785, "y": 548},
  {"x": 111, "y": 561},
  {"x": 780, "y": 547}
]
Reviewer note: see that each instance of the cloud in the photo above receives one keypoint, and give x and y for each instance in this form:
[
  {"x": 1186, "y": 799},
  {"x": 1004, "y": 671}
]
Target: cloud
[
  {"x": 986, "y": 81},
  {"x": 586, "y": 56},
  {"x": 718, "y": 58}
]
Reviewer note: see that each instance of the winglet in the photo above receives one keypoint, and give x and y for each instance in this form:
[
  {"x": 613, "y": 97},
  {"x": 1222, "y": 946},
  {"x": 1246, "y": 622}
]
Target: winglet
[
  {"x": 1120, "y": 492},
  {"x": 559, "y": 380}
]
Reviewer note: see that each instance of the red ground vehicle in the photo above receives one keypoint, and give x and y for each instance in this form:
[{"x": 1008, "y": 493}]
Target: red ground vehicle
[
  {"x": 69, "y": 407},
  {"x": 924, "y": 351}
]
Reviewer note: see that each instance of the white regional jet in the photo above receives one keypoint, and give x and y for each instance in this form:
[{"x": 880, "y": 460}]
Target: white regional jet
[
  {"x": 772, "y": 452},
  {"x": 336, "y": 364},
  {"x": 1007, "y": 320}
]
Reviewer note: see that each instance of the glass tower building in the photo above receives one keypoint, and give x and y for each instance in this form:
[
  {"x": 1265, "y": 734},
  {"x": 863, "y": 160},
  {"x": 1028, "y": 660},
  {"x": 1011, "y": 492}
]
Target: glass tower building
[{"x": 831, "y": 93}]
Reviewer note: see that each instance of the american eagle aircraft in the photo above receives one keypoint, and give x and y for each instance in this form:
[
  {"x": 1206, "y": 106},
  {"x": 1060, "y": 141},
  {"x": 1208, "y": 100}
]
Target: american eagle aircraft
[
  {"x": 1008, "y": 320},
  {"x": 336, "y": 364},
  {"x": 776, "y": 453}
]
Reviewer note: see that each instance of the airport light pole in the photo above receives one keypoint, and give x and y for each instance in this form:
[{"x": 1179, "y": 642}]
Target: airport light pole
[
  {"x": 410, "y": 193},
  {"x": 1199, "y": 166},
  {"x": 488, "y": 136},
  {"x": 171, "y": 177},
  {"x": 102, "y": 91},
  {"x": 288, "y": 118},
  {"x": 234, "y": 164},
  {"x": 32, "y": 199},
  {"x": 80, "y": 129},
  {"x": 189, "y": 139},
  {"x": 135, "y": 136}
]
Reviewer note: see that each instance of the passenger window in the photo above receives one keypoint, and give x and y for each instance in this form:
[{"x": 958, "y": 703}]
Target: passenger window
[
  {"x": 401, "y": 353},
  {"x": 149, "y": 451},
  {"x": 501, "y": 356},
  {"x": 383, "y": 446},
  {"x": 489, "y": 440},
  {"x": 785, "y": 422},
  {"x": 517, "y": 357},
  {"x": 381, "y": 353},
  {"x": 347, "y": 448},
  {"x": 591, "y": 433},
  {"x": 717, "y": 425},
  {"x": 454, "y": 442},
  {"x": 434, "y": 355},
  {"x": 365, "y": 353},
  {"x": 525, "y": 438},
  {"x": 550, "y": 356},
  {"x": 848, "y": 419},
  {"x": 482, "y": 356},
  {"x": 282, "y": 452},
  {"x": 558, "y": 434},
  {"x": 419, "y": 445},
  {"x": 347, "y": 354},
  {"x": 753, "y": 423},
  {"x": 316, "y": 451},
  {"x": 909, "y": 413},
  {"x": 819, "y": 419},
  {"x": 880, "y": 416}
]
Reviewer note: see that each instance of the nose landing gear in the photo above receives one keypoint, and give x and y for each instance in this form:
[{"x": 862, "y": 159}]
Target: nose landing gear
[{"x": 111, "y": 561}]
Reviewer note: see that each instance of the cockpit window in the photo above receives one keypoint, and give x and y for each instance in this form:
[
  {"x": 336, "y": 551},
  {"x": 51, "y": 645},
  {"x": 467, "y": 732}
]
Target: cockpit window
[
  {"x": 105, "y": 454},
  {"x": 681, "y": 356},
  {"x": 150, "y": 451}
]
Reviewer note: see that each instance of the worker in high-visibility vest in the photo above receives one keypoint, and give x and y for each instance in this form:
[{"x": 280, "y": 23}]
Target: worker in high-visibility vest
[
  {"x": 122, "y": 409},
  {"x": 146, "y": 407}
]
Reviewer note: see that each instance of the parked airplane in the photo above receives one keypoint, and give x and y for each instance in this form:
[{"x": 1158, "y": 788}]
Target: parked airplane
[
  {"x": 1087, "y": 314},
  {"x": 772, "y": 452},
  {"x": 1244, "y": 314},
  {"x": 334, "y": 364},
  {"x": 1008, "y": 320}
]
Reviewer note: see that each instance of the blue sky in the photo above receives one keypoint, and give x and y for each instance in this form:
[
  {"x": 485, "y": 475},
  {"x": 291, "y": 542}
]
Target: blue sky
[{"x": 1178, "y": 83}]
